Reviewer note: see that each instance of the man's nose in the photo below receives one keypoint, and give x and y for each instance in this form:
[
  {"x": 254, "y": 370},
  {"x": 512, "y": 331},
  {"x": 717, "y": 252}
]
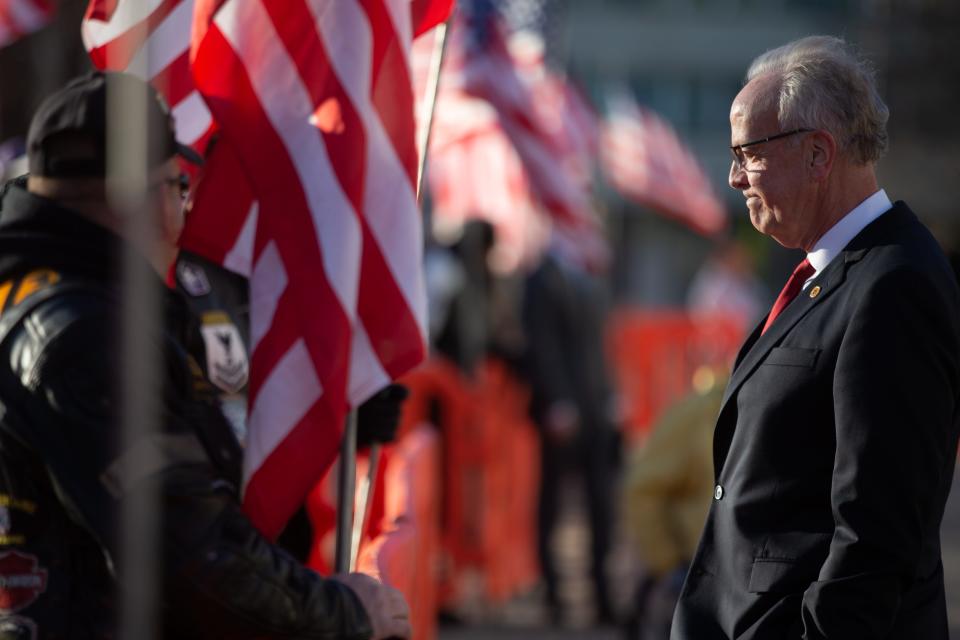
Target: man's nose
[{"x": 738, "y": 177}]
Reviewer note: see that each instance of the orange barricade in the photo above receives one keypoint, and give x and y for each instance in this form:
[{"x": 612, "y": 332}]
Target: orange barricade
[
  {"x": 510, "y": 483},
  {"x": 654, "y": 355},
  {"x": 453, "y": 501},
  {"x": 490, "y": 471},
  {"x": 440, "y": 395},
  {"x": 404, "y": 554},
  {"x": 322, "y": 511}
]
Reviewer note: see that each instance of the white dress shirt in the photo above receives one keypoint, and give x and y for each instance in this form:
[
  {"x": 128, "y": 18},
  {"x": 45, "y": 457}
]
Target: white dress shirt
[{"x": 839, "y": 236}]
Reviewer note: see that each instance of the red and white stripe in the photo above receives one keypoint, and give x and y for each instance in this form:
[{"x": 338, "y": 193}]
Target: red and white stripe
[
  {"x": 151, "y": 39},
  {"x": 475, "y": 173},
  {"x": 224, "y": 214},
  {"x": 646, "y": 162},
  {"x": 22, "y": 17},
  {"x": 315, "y": 99},
  {"x": 536, "y": 112}
]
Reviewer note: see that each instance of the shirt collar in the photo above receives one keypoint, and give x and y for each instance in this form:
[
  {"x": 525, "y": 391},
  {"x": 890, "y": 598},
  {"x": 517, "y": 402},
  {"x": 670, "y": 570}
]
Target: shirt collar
[{"x": 846, "y": 229}]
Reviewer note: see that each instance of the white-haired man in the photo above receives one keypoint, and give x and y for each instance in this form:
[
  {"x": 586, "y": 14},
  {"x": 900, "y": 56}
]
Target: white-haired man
[{"x": 835, "y": 445}]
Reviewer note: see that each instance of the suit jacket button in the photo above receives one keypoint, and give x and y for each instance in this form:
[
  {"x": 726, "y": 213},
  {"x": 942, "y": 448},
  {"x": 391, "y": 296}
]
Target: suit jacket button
[{"x": 718, "y": 492}]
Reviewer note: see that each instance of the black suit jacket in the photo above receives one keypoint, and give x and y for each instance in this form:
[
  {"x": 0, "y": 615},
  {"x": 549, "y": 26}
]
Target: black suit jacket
[{"x": 834, "y": 453}]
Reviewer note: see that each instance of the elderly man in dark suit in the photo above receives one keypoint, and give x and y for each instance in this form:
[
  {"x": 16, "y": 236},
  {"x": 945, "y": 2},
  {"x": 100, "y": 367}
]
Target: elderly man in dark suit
[{"x": 835, "y": 444}]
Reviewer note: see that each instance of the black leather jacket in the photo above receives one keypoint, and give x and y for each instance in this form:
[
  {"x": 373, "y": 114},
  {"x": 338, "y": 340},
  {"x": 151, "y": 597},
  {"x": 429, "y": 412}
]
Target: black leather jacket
[{"x": 65, "y": 475}]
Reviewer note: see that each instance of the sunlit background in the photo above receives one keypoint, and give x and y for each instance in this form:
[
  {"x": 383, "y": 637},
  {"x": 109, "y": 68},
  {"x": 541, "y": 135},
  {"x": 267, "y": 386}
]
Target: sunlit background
[{"x": 655, "y": 79}]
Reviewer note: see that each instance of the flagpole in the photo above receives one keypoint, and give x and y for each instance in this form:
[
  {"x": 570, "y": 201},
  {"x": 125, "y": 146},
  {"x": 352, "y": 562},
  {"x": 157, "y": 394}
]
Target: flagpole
[
  {"x": 430, "y": 98},
  {"x": 348, "y": 533},
  {"x": 345, "y": 492},
  {"x": 364, "y": 503}
]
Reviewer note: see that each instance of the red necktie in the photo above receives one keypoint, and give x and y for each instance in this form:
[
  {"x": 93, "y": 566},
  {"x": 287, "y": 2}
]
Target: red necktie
[{"x": 790, "y": 290}]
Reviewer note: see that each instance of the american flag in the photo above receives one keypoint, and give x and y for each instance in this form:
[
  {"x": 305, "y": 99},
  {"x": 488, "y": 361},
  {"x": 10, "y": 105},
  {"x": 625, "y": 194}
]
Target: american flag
[
  {"x": 474, "y": 172},
  {"x": 313, "y": 103},
  {"x": 646, "y": 162},
  {"x": 151, "y": 38},
  {"x": 546, "y": 121},
  {"x": 22, "y": 17}
]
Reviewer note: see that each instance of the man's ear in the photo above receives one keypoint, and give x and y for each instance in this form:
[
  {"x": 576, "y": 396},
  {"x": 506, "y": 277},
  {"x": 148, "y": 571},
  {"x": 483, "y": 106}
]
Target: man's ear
[{"x": 821, "y": 153}]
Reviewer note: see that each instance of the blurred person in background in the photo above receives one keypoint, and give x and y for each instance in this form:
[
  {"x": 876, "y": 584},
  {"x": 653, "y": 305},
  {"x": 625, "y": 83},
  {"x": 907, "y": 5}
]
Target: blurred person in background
[
  {"x": 836, "y": 442},
  {"x": 726, "y": 285},
  {"x": 66, "y": 475},
  {"x": 668, "y": 483},
  {"x": 461, "y": 285},
  {"x": 564, "y": 316}
]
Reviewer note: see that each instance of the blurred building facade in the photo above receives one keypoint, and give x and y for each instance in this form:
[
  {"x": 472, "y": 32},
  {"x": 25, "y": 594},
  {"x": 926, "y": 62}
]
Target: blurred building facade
[{"x": 686, "y": 59}]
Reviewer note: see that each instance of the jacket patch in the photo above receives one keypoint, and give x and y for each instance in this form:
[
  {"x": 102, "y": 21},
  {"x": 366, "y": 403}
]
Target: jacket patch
[
  {"x": 24, "y": 287},
  {"x": 193, "y": 279},
  {"x": 227, "y": 365},
  {"x": 22, "y": 580},
  {"x": 27, "y": 506}
]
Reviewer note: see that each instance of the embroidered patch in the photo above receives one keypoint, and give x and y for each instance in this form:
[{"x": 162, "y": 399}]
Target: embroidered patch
[
  {"x": 193, "y": 279},
  {"x": 27, "y": 506},
  {"x": 227, "y": 365},
  {"x": 22, "y": 580}
]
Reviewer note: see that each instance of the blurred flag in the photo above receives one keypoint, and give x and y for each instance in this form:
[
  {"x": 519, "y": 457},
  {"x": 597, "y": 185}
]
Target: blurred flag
[
  {"x": 474, "y": 172},
  {"x": 315, "y": 117},
  {"x": 320, "y": 115},
  {"x": 645, "y": 161},
  {"x": 544, "y": 119},
  {"x": 22, "y": 17}
]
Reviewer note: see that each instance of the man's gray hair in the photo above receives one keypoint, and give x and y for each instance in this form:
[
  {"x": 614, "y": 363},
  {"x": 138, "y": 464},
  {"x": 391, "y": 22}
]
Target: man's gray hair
[{"x": 826, "y": 85}]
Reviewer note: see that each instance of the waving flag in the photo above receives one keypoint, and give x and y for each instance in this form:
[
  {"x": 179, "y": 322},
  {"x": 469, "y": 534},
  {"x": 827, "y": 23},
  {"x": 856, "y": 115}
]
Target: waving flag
[
  {"x": 151, "y": 38},
  {"x": 22, "y": 17},
  {"x": 476, "y": 173},
  {"x": 647, "y": 163},
  {"x": 308, "y": 190},
  {"x": 536, "y": 112},
  {"x": 315, "y": 98}
]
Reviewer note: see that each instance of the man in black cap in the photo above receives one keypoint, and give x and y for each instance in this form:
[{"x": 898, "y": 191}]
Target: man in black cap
[{"x": 66, "y": 472}]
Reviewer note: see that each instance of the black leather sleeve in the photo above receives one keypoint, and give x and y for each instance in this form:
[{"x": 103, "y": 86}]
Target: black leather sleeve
[{"x": 221, "y": 578}]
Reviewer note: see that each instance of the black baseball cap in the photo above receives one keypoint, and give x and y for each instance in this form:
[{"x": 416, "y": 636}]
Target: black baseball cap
[{"x": 68, "y": 133}]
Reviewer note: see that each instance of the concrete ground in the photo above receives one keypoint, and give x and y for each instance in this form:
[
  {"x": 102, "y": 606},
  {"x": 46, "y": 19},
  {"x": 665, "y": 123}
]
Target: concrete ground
[{"x": 524, "y": 616}]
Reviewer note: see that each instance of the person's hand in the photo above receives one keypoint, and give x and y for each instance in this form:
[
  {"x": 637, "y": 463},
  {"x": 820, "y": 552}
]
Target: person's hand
[
  {"x": 379, "y": 416},
  {"x": 385, "y": 606}
]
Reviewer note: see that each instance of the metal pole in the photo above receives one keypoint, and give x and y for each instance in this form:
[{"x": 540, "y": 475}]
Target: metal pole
[
  {"x": 430, "y": 99},
  {"x": 140, "y": 383},
  {"x": 345, "y": 492},
  {"x": 364, "y": 503},
  {"x": 348, "y": 546}
]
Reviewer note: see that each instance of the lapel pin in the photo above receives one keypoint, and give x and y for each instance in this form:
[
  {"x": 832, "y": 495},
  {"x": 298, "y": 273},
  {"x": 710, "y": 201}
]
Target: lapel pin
[{"x": 815, "y": 291}]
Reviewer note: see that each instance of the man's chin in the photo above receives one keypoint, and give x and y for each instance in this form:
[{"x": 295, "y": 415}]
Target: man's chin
[{"x": 759, "y": 221}]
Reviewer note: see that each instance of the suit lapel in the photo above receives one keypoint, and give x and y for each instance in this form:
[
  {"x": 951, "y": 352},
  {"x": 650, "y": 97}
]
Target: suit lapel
[
  {"x": 829, "y": 281},
  {"x": 757, "y": 347}
]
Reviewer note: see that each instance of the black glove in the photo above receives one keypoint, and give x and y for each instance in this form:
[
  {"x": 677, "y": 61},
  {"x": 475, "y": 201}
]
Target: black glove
[{"x": 378, "y": 417}]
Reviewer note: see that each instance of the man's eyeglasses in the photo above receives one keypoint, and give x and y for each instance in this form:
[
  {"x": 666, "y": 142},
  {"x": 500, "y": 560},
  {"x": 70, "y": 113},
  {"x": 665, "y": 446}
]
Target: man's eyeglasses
[
  {"x": 182, "y": 182},
  {"x": 738, "y": 158}
]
